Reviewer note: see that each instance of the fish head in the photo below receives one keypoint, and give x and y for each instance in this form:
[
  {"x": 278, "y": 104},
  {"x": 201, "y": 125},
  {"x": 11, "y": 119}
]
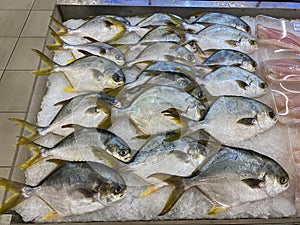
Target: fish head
[
  {"x": 114, "y": 79},
  {"x": 249, "y": 65},
  {"x": 252, "y": 85},
  {"x": 266, "y": 118},
  {"x": 118, "y": 148},
  {"x": 109, "y": 191},
  {"x": 248, "y": 44},
  {"x": 195, "y": 109},
  {"x": 276, "y": 179}
]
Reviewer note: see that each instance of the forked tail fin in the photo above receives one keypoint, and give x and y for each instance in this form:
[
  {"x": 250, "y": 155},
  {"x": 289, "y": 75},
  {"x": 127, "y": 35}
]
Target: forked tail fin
[
  {"x": 35, "y": 149},
  {"x": 49, "y": 63},
  {"x": 17, "y": 190},
  {"x": 62, "y": 29},
  {"x": 177, "y": 192},
  {"x": 58, "y": 41},
  {"x": 32, "y": 128}
]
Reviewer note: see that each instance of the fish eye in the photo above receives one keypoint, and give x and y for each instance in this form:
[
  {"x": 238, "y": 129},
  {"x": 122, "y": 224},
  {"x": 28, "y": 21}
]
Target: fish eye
[
  {"x": 284, "y": 180},
  {"x": 118, "y": 189},
  {"x": 252, "y": 42},
  {"x": 116, "y": 77},
  {"x": 272, "y": 115},
  {"x": 262, "y": 85},
  {"x": 190, "y": 57},
  {"x": 118, "y": 57},
  {"x": 123, "y": 152}
]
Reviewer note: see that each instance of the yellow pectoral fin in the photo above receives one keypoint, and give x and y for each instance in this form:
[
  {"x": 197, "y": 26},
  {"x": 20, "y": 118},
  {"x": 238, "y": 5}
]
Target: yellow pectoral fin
[
  {"x": 70, "y": 88},
  {"x": 215, "y": 209},
  {"x": 51, "y": 215}
]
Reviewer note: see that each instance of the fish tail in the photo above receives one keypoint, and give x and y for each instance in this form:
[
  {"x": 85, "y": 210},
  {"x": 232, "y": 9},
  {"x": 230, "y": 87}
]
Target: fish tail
[
  {"x": 177, "y": 192},
  {"x": 58, "y": 41},
  {"x": 16, "y": 189},
  {"x": 49, "y": 63},
  {"x": 35, "y": 149},
  {"x": 119, "y": 25},
  {"x": 32, "y": 128},
  {"x": 62, "y": 29}
]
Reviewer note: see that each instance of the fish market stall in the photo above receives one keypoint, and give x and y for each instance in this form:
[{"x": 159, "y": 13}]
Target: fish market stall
[{"x": 159, "y": 114}]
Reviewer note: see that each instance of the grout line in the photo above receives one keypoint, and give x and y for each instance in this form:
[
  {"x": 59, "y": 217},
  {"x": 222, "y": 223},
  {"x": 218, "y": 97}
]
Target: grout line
[{"x": 18, "y": 38}]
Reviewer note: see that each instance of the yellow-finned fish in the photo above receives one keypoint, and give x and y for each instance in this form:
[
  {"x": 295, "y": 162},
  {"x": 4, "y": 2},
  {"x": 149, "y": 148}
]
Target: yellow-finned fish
[
  {"x": 231, "y": 177},
  {"x": 90, "y": 73},
  {"x": 74, "y": 188},
  {"x": 87, "y": 110},
  {"x": 85, "y": 144},
  {"x": 99, "y": 28},
  {"x": 219, "y": 36},
  {"x": 95, "y": 48}
]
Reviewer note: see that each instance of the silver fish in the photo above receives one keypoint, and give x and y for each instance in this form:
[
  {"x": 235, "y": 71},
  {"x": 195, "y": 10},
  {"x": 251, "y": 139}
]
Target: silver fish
[
  {"x": 151, "y": 107},
  {"x": 99, "y": 28},
  {"x": 95, "y": 48},
  {"x": 88, "y": 110},
  {"x": 231, "y": 80},
  {"x": 91, "y": 73},
  {"x": 165, "y": 51},
  {"x": 223, "y": 37},
  {"x": 161, "y": 34},
  {"x": 73, "y": 189},
  {"x": 232, "y": 119},
  {"x": 82, "y": 145},
  {"x": 227, "y": 57},
  {"x": 222, "y": 18},
  {"x": 231, "y": 177}
]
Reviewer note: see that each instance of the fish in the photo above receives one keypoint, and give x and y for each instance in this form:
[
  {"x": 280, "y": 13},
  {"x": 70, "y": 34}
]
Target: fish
[
  {"x": 227, "y": 19},
  {"x": 87, "y": 74},
  {"x": 231, "y": 119},
  {"x": 87, "y": 110},
  {"x": 153, "y": 105},
  {"x": 74, "y": 188},
  {"x": 282, "y": 67},
  {"x": 82, "y": 145},
  {"x": 219, "y": 36},
  {"x": 228, "y": 57},
  {"x": 95, "y": 48},
  {"x": 231, "y": 80},
  {"x": 276, "y": 37},
  {"x": 165, "y": 51},
  {"x": 231, "y": 177},
  {"x": 100, "y": 28},
  {"x": 159, "y": 19}
]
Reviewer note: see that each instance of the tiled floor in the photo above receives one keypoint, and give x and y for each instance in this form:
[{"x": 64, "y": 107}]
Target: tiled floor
[{"x": 24, "y": 25}]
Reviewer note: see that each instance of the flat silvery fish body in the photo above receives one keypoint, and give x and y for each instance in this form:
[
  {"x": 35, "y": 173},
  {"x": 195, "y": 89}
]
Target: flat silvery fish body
[
  {"x": 168, "y": 66},
  {"x": 179, "y": 157},
  {"x": 232, "y": 119},
  {"x": 158, "y": 19},
  {"x": 231, "y": 80},
  {"x": 145, "y": 111},
  {"x": 128, "y": 38},
  {"x": 100, "y": 28},
  {"x": 165, "y": 51},
  {"x": 98, "y": 48},
  {"x": 231, "y": 177},
  {"x": 86, "y": 144},
  {"x": 161, "y": 34},
  {"x": 87, "y": 110},
  {"x": 92, "y": 73},
  {"x": 73, "y": 189},
  {"x": 224, "y": 37},
  {"x": 224, "y": 19},
  {"x": 226, "y": 57},
  {"x": 235, "y": 176}
]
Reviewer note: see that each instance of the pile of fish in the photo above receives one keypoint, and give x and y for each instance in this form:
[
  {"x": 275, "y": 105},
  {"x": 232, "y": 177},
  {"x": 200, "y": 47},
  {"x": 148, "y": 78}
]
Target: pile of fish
[{"x": 157, "y": 98}]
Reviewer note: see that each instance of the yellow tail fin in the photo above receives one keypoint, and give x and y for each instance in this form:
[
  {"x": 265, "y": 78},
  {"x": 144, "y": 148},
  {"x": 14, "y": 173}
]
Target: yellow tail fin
[
  {"x": 16, "y": 189},
  {"x": 49, "y": 63},
  {"x": 28, "y": 127},
  {"x": 58, "y": 41},
  {"x": 62, "y": 29},
  {"x": 35, "y": 149}
]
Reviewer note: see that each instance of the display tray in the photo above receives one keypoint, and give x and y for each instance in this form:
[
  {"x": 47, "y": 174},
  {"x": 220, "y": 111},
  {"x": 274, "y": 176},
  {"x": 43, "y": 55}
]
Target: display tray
[{"x": 66, "y": 9}]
